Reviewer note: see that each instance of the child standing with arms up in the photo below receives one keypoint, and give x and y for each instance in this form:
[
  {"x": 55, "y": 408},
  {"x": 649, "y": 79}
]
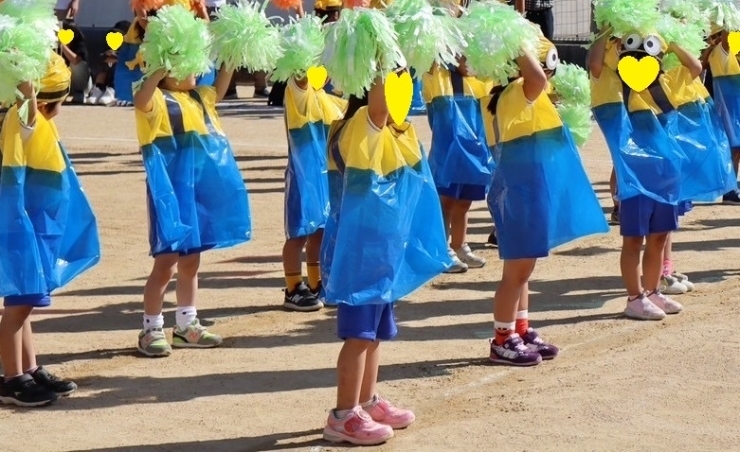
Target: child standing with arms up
[
  {"x": 540, "y": 196},
  {"x": 308, "y": 114},
  {"x": 196, "y": 197},
  {"x": 49, "y": 234},
  {"x": 383, "y": 202}
]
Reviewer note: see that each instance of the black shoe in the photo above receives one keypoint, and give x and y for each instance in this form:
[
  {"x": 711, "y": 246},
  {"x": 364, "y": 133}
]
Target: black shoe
[
  {"x": 614, "y": 219},
  {"x": 264, "y": 92},
  {"x": 492, "y": 239},
  {"x": 24, "y": 391},
  {"x": 302, "y": 299},
  {"x": 732, "y": 198},
  {"x": 317, "y": 291},
  {"x": 51, "y": 382}
]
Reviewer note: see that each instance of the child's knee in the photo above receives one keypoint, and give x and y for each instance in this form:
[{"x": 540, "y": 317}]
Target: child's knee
[
  {"x": 632, "y": 244},
  {"x": 656, "y": 240},
  {"x": 188, "y": 265},
  {"x": 164, "y": 267}
]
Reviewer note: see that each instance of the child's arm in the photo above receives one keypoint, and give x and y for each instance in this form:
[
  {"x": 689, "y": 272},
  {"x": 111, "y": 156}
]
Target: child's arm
[
  {"x": 687, "y": 60},
  {"x": 462, "y": 66},
  {"x": 377, "y": 108},
  {"x": 223, "y": 79},
  {"x": 143, "y": 97},
  {"x": 534, "y": 77},
  {"x": 29, "y": 94},
  {"x": 596, "y": 54},
  {"x": 519, "y": 5}
]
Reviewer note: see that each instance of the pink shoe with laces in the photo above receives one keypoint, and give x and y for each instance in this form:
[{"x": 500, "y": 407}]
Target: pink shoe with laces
[
  {"x": 383, "y": 412},
  {"x": 356, "y": 427}
]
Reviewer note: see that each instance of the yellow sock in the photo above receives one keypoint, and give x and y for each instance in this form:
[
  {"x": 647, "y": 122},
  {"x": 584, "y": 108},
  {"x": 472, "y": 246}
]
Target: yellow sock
[
  {"x": 292, "y": 280},
  {"x": 314, "y": 275}
]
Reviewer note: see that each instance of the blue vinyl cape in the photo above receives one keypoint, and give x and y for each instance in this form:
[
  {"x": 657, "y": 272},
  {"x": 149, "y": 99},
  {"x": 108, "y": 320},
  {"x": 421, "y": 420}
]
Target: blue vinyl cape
[
  {"x": 197, "y": 198},
  {"x": 306, "y": 183},
  {"x": 727, "y": 100},
  {"x": 385, "y": 236},
  {"x": 541, "y": 197},
  {"x": 50, "y": 235}
]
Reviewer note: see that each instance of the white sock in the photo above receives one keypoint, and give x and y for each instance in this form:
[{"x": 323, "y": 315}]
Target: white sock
[
  {"x": 504, "y": 325},
  {"x": 341, "y": 414},
  {"x": 185, "y": 316},
  {"x": 153, "y": 321},
  {"x": 522, "y": 314},
  {"x": 370, "y": 402}
]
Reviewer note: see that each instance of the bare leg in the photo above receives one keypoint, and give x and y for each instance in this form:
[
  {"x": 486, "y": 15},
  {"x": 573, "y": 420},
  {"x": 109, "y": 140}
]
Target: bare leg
[
  {"x": 652, "y": 261},
  {"x": 11, "y": 339},
  {"x": 187, "y": 280},
  {"x": 350, "y": 372},
  {"x": 156, "y": 285},
  {"x": 28, "y": 353},
  {"x": 630, "y": 265},
  {"x": 514, "y": 280},
  {"x": 370, "y": 376},
  {"x": 292, "y": 263},
  {"x": 459, "y": 222}
]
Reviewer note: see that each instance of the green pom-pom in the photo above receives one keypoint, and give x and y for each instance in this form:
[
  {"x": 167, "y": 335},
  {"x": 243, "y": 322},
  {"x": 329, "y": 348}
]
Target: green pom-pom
[
  {"x": 578, "y": 120},
  {"x": 689, "y": 35},
  {"x": 361, "y": 46},
  {"x": 24, "y": 56},
  {"x": 573, "y": 90},
  {"x": 723, "y": 13},
  {"x": 426, "y": 34},
  {"x": 626, "y": 16},
  {"x": 39, "y": 14},
  {"x": 244, "y": 37},
  {"x": 572, "y": 85},
  {"x": 497, "y": 36},
  {"x": 303, "y": 41},
  {"x": 177, "y": 42}
]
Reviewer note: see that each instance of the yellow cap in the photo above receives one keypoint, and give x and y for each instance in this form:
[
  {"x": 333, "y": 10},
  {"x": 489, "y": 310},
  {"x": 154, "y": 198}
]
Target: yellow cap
[
  {"x": 545, "y": 47},
  {"x": 328, "y": 4},
  {"x": 380, "y": 4},
  {"x": 55, "y": 84}
]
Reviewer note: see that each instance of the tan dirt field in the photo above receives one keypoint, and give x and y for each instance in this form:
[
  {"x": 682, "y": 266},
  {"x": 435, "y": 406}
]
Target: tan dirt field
[{"x": 619, "y": 385}]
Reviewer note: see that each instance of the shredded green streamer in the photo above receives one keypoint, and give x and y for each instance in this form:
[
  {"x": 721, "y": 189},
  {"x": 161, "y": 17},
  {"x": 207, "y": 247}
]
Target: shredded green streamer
[
  {"x": 303, "y": 41},
  {"x": 24, "y": 56},
  {"x": 573, "y": 89},
  {"x": 627, "y": 16}
]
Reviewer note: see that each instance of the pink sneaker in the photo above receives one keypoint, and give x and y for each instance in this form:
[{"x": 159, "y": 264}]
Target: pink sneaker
[
  {"x": 664, "y": 303},
  {"x": 643, "y": 309},
  {"x": 357, "y": 428},
  {"x": 383, "y": 412}
]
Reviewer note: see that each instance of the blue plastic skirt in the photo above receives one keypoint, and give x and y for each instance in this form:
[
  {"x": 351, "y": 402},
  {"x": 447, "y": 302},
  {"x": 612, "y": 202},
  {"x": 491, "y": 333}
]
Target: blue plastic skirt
[
  {"x": 384, "y": 237},
  {"x": 646, "y": 160},
  {"x": 705, "y": 171},
  {"x": 124, "y": 77},
  {"x": 306, "y": 183},
  {"x": 459, "y": 153},
  {"x": 727, "y": 100},
  {"x": 541, "y": 197},
  {"x": 50, "y": 235}
]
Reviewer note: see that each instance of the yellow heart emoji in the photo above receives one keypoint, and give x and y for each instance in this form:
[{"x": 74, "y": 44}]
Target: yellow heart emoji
[
  {"x": 317, "y": 77},
  {"x": 398, "y": 93},
  {"x": 734, "y": 40},
  {"x": 114, "y": 40},
  {"x": 66, "y": 36},
  {"x": 638, "y": 75}
]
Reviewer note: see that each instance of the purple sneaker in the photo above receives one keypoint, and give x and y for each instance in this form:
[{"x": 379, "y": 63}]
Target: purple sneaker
[
  {"x": 534, "y": 342},
  {"x": 514, "y": 353}
]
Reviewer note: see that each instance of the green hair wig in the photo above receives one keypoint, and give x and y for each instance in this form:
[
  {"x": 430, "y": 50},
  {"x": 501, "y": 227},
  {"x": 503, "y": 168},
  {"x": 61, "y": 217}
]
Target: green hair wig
[
  {"x": 722, "y": 13},
  {"x": 359, "y": 47},
  {"x": 497, "y": 36},
  {"x": 426, "y": 34},
  {"x": 177, "y": 42},
  {"x": 303, "y": 41},
  {"x": 244, "y": 37},
  {"x": 626, "y": 16}
]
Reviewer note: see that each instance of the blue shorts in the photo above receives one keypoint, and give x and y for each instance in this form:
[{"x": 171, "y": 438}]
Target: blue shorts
[
  {"x": 463, "y": 192},
  {"x": 640, "y": 216},
  {"x": 371, "y": 322},
  {"x": 34, "y": 301},
  {"x": 182, "y": 253}
]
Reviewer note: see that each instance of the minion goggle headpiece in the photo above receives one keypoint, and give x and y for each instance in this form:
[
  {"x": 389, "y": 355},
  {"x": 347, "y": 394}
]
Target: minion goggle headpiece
[
  {"x": 651, "y": 45},
  {"x": 548, "y": 55}
]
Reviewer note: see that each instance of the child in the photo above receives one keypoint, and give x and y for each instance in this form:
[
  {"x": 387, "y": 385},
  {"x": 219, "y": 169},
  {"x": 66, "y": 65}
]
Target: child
[
  {"x": 639, "y": 144},
  {"x": 459, "y": 158},
  {"x": 538, "y": 182},
  {"x": 724, "y": 71},
  {"x": 196, "y": 197},
  {"x": 308, "y": 115},
  {"x": 50, "y": 234}
]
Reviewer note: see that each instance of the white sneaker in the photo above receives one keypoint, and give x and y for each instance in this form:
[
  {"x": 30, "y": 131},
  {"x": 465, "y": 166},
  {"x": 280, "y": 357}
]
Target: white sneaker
[
  {"x": 108, "y": 98},
  {"x": 683, "y": 279},
  {"x": 94, "y": 96},
  {"x": 664, "y": 303},
  {"x": 672, "y": 286},
  {"x": 642, "y": 308},
  {"x": 458, "y": 266},
  {"x": 465, "y": 254}
]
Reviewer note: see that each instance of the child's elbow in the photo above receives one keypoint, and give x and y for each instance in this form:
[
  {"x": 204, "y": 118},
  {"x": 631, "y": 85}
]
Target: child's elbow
[{"x": 695, "y": 68}]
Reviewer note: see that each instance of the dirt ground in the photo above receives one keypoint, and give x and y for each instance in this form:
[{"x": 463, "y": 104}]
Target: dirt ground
[{"x": 619, "y": 385}]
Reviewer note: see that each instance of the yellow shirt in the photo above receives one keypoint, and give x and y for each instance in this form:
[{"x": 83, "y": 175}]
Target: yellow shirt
[
  {"x": 721, "y": 64},
  {"x": 310, "y": 106},
  {"x": 159, "y": 123},
  {"x": 517, "y": 117},
  {"x": 38, "y": 150},
  {"x": 438, "y": 83}
]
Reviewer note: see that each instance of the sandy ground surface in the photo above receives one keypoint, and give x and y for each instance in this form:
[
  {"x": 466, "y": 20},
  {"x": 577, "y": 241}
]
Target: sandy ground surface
[{"x": 619, "y": 385}]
